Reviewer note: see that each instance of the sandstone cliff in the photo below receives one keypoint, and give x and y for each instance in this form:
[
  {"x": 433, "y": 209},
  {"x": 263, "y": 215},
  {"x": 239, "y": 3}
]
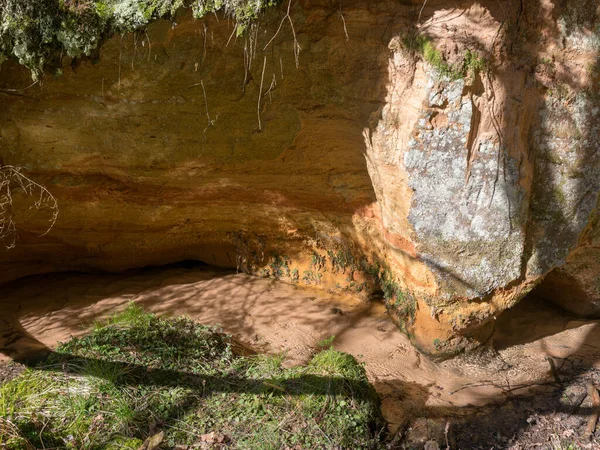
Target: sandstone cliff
[{"x": 444, "y": 152}]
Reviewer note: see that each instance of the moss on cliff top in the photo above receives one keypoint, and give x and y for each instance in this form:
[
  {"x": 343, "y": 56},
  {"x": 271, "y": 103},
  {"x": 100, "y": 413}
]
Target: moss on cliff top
[{"x": 37, "y": 33}]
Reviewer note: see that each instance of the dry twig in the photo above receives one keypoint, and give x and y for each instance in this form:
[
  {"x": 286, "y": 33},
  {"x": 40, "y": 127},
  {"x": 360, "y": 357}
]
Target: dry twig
[
  {"x": 595, "y": 396},
  {"x": 11, "y": 178}
]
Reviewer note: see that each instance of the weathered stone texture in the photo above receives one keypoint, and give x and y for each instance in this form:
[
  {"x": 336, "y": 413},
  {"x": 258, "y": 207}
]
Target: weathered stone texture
[{"x": 349, "y": 164}]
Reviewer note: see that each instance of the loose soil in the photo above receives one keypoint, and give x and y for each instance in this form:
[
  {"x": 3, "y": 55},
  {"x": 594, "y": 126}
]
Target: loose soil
[
  {"x": 477, "y": 398},
  {"x": 10, "y": 370}
]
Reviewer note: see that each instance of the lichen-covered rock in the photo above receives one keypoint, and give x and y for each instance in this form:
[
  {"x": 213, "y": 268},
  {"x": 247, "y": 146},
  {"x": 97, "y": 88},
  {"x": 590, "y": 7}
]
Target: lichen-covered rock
[
  {"x": 467, "y": 208},
  {"x": 567, "y": 178},
  {"x": 491, "y": 179},
  {"x": 566, "y": 219},
  {"x": 452, "y": 170}
]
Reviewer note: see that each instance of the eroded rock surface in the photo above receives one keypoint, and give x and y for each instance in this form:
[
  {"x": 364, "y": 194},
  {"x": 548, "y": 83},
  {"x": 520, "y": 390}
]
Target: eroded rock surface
[
  {"x": 355, "y": 149},
  {"x": 502, "y": 165}
]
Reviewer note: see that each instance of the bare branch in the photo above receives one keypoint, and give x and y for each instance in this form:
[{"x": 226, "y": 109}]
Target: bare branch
[{"x": 11, "y": 178}]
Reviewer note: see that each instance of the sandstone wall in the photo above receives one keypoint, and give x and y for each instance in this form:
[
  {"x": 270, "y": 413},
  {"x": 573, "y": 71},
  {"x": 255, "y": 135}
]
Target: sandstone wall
[{"x": 328, "y": 150}]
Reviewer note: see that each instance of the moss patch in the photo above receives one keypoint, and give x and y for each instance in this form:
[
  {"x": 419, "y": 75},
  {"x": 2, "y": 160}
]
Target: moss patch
[
  {"x": 423, "y": 46},
  {"x": 37, "y": 33},
  {"x": 138, "y": 375}
]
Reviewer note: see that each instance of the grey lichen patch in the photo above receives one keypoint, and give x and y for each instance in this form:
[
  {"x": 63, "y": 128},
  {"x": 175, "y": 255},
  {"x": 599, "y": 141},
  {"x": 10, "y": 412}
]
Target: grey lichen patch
[
  {"x": 37, "y": 33},
  {"x": 578, "y": 24},
  {"x": 566, "y": 179},
  {"x": 467, "y": 208}
]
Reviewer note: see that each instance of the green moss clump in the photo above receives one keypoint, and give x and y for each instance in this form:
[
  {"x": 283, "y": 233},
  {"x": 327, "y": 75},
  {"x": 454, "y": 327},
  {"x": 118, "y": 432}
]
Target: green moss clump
[
  {"x": 37, "y": 33},
  {"x": 400, "y": 302},
  {"x": 473, "y": 63},
  {"x": 423, "y": 46},
  {"x": 244, "y": 11}
]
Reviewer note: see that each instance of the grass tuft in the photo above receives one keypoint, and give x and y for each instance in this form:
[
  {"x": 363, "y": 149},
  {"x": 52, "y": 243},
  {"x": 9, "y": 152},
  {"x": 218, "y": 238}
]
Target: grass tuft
[{"x": 422, "y": 45}]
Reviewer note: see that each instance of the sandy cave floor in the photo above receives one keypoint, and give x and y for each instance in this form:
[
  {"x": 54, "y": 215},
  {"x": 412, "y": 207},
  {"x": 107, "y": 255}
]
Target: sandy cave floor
[{"x": 471, "y": 401}]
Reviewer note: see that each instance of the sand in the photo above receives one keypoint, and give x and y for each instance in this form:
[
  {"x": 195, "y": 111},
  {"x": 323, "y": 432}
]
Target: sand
[{"x": 272, "y": 316}]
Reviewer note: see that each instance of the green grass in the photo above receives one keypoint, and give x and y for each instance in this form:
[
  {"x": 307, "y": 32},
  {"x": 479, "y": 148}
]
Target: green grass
[
  {"x": 423, "y": 46},
  {"x": 136, "y": 375},
  {"x": 326, "y": 343}
]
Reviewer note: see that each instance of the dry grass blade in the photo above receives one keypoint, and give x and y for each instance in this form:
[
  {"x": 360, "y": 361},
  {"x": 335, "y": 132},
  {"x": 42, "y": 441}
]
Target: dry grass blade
[{"x": 9, "y": 430}]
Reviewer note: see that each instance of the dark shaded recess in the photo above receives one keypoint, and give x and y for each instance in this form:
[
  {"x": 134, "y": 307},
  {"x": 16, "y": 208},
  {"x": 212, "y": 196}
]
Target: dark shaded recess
[{"x": 566, "y": 291}]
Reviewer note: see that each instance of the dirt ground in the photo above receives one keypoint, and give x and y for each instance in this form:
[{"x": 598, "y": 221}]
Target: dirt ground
[
  {"x": 10, "y": 370},
  {"x": 554, "y": 418},
  {"x": 522, "y": 392}
]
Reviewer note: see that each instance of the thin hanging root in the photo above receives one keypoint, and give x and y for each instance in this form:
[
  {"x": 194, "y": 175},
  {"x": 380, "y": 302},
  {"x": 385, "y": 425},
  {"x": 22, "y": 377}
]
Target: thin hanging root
[
  {"x": 421, "y": 11},
  {"x": 279, "y": 27},
  {"x": 230, "y": 36},
  {"x": 256, "y": 28},
  {"x": 297, "y": 47},
  {"x": 246, "y": 67},
  {"x": 204, "y": 46},
  {"x": 271, "y": 87},
  {"x": 344, "y": 22},
  {"x": 281, "y": 66},
  {"x": 262, "y": 79},
  {"x": 593, "y": 420},
  {"x": 209, "y": 122},
  {"x": 20, "y": 90},
  {"x": 149, "y": 45}
]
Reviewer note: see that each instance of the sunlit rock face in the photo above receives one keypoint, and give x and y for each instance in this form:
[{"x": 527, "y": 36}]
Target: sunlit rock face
[
  {"x": 332, "y": 150},
  {"x": 468, "y": 208},
  {"x": 492, "y": 176}
]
